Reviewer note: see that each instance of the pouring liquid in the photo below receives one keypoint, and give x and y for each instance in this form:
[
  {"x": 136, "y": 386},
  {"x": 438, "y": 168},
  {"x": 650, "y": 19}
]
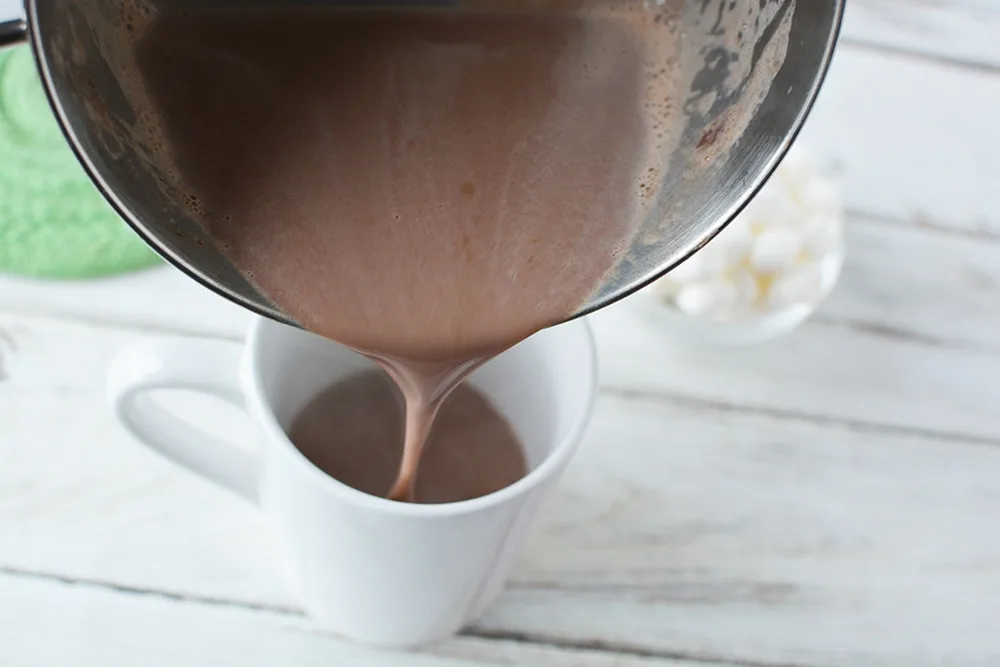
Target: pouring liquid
[{"x": 428, "y": 188}]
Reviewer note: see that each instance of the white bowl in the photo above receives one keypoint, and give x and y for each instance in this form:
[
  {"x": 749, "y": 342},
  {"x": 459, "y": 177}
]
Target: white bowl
[{"x": 748, "y": 331}]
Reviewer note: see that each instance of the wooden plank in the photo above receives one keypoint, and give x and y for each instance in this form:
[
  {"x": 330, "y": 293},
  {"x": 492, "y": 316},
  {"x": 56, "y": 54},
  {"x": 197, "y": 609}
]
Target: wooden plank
[
  {"x": 45, "y": 460},
  {"x": 898, "y": 279},
  {"x": 960, "y": 31},
  {"x": 680, "y": 530},
  {"x": 819, "y": 372},
  {"x": 916, "y": 284},
  {"x": 866, "y": 121},
  {"x": 518, "y": 651},
  {"x": 915, "y": 139},
  {"x": 55, "y": 624},
  {"x": 771, "y": 542},
  {"x": 801, "y": 632},
  {"x": 78, "y": 496},
  {"x": 161, "y": 299}
]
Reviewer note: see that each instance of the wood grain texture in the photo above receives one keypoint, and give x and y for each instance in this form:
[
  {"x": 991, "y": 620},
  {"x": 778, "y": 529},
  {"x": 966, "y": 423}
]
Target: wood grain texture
[
  {"x": 54, "y": 624},
  {"x": 909, "y": 338},
  {"x": 826, "y": 500},
  {"x": 681, "y": 529},
  {"x": 917, "y": 284},
  {"x": 915, "y": 139},
  {"x": 79, "y": 497},
  {"x": 769, "y": 541},
  {"x": 962, "y": 32},
  {"x": 820, "y": 372},
  {"x": 157, "y": 300}
]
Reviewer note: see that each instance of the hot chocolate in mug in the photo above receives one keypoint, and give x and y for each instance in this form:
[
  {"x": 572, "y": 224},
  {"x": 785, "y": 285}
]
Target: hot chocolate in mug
[{"x": 373, "y": 570}]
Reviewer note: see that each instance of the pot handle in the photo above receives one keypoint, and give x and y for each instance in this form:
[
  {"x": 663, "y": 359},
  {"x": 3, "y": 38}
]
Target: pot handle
[{"x": 13, "y": 31}]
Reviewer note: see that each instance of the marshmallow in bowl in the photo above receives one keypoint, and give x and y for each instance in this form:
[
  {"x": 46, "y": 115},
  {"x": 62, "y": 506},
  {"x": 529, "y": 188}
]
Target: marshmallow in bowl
[
  {"x": 707, "y": 298},
  {"x": 772, "y": 207},
  {"x": 770, "y": 257},
  {"x": 821, "y": 235},
  {"x": 730, "y": 248},
  {"x": 776, "y": 249},
  {"x": 821, "y": 195},
  {"x": 800, "y": 284}
]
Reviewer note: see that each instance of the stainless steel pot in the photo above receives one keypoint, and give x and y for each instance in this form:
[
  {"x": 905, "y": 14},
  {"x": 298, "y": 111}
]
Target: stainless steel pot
[{"x": 753, "y": 69}]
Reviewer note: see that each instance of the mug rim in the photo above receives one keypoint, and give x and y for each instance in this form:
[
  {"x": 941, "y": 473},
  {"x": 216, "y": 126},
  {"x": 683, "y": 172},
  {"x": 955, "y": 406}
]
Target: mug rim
[{"x": 261, "y": 411}]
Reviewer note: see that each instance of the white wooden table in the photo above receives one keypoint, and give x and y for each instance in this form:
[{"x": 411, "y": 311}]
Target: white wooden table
[{"x": 832, "y": 498}]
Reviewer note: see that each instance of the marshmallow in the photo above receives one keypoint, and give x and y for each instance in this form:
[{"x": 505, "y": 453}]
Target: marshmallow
[
  {"x": 776, "y": 249},
  {"x": 747, "y": 292},
  {"x": 771, "y": 256},
  {"x": 821, "y": 235},
  {"x": 772, "y": 207},
  {"x": 666, "y": 289},
  {"x": 711, "y": 299},
  {"x": 733, "y": 243},
  {"x": 702, "y": 265},
  {"x": 821, "y": 195},
  {"x": 801, "y": 285},
  {"x": 797, "y": 168}
]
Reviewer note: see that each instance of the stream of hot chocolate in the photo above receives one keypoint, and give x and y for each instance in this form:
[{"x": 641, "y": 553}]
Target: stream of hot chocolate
[
  {"x": 425, "y": 388},
  {"x": 427, "y": 187}
]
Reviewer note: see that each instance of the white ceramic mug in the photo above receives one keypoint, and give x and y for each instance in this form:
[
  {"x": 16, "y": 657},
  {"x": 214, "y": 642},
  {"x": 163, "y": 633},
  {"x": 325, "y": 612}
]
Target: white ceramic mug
[{"x": 373, "y": 570}]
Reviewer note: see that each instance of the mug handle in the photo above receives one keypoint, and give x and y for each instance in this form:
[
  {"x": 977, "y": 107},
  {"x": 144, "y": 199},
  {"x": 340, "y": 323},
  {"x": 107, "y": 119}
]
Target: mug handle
[{"x": 208, "y": 367}]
